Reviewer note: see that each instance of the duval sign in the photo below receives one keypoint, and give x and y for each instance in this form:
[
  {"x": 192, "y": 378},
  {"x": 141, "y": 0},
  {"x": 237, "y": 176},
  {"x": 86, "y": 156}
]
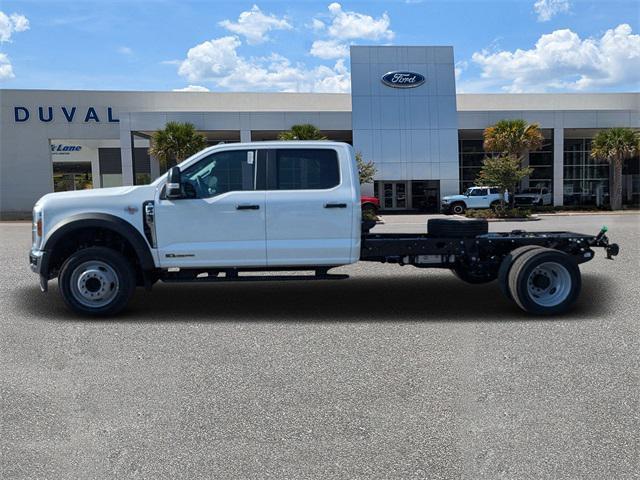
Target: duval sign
[
  {"x": 403, "y": 79},
  {"x": 65, "y": 113}
]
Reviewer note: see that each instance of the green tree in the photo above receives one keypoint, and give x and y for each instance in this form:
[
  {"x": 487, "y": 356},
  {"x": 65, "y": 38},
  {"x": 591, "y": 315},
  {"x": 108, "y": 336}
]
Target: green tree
[
  {"x": 509, "y": 141},
  {"x": 366, "y": 170},
  {"x": 513, "y": 138},
  {"x": 303, "y": 131},
  {"x": 615, "y": 145},
  {"x": 175, "y": 142},
  {"x": 504, "y": 172}
]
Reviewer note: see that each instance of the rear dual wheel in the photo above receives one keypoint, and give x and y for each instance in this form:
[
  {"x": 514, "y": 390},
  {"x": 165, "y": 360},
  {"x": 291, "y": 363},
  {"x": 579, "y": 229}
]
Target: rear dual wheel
[{"x": 541, "y": 280}]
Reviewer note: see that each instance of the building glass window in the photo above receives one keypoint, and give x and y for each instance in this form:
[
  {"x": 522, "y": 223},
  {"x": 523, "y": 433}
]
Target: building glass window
[
  {"x": 472, "y": 154},
  {"x": 69, "y": 176},
  {"x": 586, "y": 180}
]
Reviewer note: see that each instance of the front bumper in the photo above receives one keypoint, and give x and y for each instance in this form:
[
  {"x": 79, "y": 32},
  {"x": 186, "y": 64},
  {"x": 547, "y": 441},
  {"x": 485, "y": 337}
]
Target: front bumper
[{"x": 37, "y": 262}]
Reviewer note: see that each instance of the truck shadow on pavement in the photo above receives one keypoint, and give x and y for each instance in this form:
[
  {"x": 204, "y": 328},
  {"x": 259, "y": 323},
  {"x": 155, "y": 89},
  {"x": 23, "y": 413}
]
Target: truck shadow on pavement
[{"x": 405, "y": 298}]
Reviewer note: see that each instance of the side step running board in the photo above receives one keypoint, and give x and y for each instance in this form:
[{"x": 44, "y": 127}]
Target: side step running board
[{"x": 169, "y": 278}]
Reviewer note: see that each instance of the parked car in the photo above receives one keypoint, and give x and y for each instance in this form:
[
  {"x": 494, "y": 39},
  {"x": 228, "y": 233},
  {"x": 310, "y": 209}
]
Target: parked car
[
  {"x": 474, "y": 197},
  {"x": 370, "y": 204},
  {"x": 533, "y": 196},
  {"x": 220, "y": 216}
]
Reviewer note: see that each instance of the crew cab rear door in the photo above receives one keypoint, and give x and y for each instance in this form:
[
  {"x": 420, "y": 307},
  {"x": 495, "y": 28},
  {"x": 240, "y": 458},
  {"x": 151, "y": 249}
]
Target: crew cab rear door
[
  {"x": 310, "y": 207},
  {"x": 223, "y": 224}
]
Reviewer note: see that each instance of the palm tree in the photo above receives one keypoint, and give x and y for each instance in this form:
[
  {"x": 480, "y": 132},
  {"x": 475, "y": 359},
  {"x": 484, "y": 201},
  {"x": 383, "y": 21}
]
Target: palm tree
[
  {"x": 176, "y": 142},
  {"x": 615, "y": 146},
  {"x": 304, "y": 131},
  {"x": 513, "y": 138},
  {"x": 509, "y": 141}
]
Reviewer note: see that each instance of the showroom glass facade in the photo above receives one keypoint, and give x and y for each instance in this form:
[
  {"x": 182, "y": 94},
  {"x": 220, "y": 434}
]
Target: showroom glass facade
[
  {"x": 472, "y": 154},
  {"x": 586, "y": 180}
]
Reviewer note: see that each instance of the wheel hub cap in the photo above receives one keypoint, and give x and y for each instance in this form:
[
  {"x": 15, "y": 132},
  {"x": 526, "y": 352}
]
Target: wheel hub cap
[
  {"x": 94, "y": 284},
  {"x": 549, "y": 284}
]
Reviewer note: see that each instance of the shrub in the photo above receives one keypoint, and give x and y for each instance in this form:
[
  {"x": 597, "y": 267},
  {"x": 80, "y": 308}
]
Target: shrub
[{"x": 499, "y": 213}]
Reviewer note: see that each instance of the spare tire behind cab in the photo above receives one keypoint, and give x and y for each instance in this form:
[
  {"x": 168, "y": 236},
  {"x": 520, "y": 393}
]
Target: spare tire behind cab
[{"x": 441, "y": 227}]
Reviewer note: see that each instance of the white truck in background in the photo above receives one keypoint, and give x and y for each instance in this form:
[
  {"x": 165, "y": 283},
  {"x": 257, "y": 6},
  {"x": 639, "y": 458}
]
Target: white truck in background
[{"x": 235, "y": 209}]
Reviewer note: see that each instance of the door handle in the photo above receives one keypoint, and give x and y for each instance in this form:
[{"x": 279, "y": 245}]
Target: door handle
[
  {"x": 247, "y": 207},
  {"x": 335, "y": 205}
]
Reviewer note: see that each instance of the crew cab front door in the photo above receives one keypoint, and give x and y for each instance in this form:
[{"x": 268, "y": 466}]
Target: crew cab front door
[{"x": 221, "y": 222}]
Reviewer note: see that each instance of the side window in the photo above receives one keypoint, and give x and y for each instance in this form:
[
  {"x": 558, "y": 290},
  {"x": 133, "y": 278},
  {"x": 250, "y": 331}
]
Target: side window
[
  {"x": 494, "y": 191},
  {"x": 221, "y": 172},
  {"x": 306, "y": 169},
  {"x": 478, "y": 192}
]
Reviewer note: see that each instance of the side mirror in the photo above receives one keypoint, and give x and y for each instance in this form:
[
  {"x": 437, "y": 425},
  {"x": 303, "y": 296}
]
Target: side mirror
[{"x": 174, "y": 182}]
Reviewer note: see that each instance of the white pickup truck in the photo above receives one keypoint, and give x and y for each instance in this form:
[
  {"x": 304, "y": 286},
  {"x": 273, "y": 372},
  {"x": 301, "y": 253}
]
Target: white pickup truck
[{"x": 234, "y": 209}]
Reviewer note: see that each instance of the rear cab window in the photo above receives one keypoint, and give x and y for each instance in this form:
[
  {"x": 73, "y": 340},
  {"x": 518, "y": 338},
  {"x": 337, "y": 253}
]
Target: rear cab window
[{"x": 305, "y": 169}]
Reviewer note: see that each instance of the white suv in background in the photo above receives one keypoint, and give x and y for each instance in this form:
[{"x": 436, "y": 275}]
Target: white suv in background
[{"x": 474, "y": 198}]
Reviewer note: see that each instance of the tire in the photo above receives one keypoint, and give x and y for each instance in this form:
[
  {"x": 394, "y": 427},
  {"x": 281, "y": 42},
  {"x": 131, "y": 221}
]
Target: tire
[
  {"x": 494, "y": 205},
  {"x": 444, "y": 227},
  {"x": 544, "y": 281},
  {"x": 458, "y": 208},
  {"x": 468, "y": 276},
  {"x": 97, "y": 281},
  {"x": 505, "y": 267}
]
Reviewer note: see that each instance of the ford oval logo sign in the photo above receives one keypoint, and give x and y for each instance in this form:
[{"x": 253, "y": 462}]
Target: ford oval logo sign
[{"x": 403, "y": 79}]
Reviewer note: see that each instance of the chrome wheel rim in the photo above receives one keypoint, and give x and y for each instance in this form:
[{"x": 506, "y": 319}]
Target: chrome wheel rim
[
  {"x": 549, "y": 284},
  {"x": 94, "y": 284}
]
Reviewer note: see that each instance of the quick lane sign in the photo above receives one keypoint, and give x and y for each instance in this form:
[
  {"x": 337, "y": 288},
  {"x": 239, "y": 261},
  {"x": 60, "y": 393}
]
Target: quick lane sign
[
  {"x": 47, "y": 114},
  {"x": 403, "y": 79}
]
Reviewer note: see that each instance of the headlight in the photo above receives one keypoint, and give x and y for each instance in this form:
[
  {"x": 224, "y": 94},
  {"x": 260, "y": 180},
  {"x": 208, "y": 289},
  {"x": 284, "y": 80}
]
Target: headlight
[
  {"x": 36, "y": 228},
  {"x": 445, "y": 200}
]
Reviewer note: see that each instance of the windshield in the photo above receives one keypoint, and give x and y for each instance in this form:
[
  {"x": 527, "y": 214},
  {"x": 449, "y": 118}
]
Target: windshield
[{"x": 530, "y": 190}]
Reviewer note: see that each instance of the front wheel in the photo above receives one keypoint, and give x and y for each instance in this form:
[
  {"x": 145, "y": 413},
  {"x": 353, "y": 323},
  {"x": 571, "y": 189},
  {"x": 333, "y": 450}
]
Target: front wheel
[
  {"x": 97, "y": 281},
  {"x": 458, "y": 208}
]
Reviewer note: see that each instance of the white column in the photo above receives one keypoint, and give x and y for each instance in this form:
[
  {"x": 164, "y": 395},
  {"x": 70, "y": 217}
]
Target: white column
[
  {"x": 558, "y": 167},
  {"x": 126, "y": 150},
  {"x": 245, "y": 135},
  {"x": 95, "y": 170},
  {"x": 155, "y": 167}
]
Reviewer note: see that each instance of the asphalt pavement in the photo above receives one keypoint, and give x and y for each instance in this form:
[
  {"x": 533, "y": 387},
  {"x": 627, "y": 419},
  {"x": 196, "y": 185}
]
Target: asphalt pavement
[{"x": 394, "y": 373}]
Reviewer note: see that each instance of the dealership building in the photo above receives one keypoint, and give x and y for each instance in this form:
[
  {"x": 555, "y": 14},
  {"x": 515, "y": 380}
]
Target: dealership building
[{"x": 403, "y": 113}]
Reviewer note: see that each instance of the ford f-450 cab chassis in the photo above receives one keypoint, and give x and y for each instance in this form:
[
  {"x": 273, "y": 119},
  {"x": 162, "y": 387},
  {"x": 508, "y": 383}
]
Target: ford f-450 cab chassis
[{"x": 235, "y": 209}]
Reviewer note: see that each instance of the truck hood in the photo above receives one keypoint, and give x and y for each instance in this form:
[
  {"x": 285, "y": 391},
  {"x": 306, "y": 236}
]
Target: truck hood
[
  {"x": 124, "y": 202},
  {"x": 527, "y": 195}
]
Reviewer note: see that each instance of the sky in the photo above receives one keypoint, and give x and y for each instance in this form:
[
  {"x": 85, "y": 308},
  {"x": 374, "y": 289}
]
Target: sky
[{"x": 507, "y": 46}]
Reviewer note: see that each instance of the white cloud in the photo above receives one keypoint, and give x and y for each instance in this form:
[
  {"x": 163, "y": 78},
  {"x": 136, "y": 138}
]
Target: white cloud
[
  {"x": 210, "y": 59},
  {"x": 460, "y": 67},
  {"x": 9, "y": 24},
  {"x": 6, "y": 70},
  {"x": 317, "y": 25},
  {"x": 254, "y": 25},
  {"x": 192, "y": 88},
  {"x": 328, "y": 49},
  {"x": 217, "y": 61},
  {"x": 547, "y": 9},
  {"x": 125, "y": 51},
  {"x": 347, "y": 25},
  {"x": 561, "y": 60}
]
